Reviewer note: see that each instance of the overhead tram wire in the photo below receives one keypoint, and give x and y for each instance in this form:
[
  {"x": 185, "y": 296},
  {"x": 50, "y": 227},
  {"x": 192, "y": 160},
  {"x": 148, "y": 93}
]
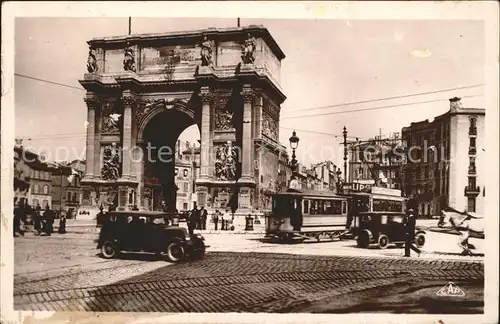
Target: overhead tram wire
[
  {"x": 373, "y": 108},
  {"x": 48, "y": 81},
  {"x": 386, "y": 98},
  {"x": 83, "y": 134},
  {"x": 290, "y": 117}
]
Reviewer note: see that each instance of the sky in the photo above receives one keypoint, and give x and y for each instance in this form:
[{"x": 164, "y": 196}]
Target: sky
[{"x": 328, "y": 62}]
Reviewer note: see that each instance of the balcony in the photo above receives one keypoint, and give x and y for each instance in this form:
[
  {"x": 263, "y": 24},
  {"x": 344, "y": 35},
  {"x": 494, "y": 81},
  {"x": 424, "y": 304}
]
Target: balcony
[
  {"x": 472, "y": 130},
  {"x": 472, "y": 192},
  {"x": 472, "y": 151}
]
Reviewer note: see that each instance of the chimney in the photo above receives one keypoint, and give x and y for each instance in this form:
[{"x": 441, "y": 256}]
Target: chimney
[{"x": 455, "y": 104}]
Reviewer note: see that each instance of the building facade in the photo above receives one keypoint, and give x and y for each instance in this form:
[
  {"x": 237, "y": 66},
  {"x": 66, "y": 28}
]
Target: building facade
[
  {"x": 376, "y": 162},
  {"x": 32, "y": 179},
  {"x": 445, "y": 161},
  {"x": 66, "y": 187}
]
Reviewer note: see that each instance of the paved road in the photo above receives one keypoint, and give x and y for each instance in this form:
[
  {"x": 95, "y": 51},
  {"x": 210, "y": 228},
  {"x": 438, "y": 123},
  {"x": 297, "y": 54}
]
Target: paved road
[{"x": 63, "y": 273}]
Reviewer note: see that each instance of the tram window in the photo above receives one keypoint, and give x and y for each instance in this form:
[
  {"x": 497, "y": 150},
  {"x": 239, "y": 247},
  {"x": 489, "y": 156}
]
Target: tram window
[
  {"x": 344, "y": 207},
  {"x": 306, "y": 206},
  {"x": 337, "y": 207},
  {"x": 327, "y": 207}
]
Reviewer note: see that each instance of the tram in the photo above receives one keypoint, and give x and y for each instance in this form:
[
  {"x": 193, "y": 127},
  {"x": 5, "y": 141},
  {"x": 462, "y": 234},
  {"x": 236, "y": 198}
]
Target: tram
[{"x": 306, "y": 214}]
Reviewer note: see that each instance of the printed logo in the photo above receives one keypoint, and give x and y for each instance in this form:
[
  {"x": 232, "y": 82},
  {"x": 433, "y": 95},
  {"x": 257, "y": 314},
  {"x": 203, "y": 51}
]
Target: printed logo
[{"x": 450, "y": 289}]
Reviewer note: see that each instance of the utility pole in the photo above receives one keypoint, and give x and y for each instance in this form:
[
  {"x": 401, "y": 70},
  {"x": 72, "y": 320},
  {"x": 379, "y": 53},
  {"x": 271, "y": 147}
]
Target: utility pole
[
  {"x": 345, "y": 153},
  {"x": 130, "y": 25},
  {"x": 238, "y": 22}
]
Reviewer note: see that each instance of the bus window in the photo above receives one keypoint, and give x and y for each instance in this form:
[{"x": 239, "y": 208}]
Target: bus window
[{"x": 306, "y": 206}]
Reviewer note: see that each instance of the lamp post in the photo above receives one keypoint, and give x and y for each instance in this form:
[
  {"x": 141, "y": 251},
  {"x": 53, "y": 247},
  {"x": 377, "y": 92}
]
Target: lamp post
[
  {"x": 294, "y": 143},
  {"x": 339, "y": 181}
]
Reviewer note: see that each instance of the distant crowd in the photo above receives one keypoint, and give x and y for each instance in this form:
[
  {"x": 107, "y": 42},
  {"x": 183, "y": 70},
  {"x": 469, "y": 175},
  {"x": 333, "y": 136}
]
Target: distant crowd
[{"x": 42, "y": 220}]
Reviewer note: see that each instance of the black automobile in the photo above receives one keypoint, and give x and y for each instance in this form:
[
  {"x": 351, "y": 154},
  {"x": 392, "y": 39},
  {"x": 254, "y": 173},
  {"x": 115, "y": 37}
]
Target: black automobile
[
  {"x": 382, "y": 228},
  {"x": 136, "y": 231}
]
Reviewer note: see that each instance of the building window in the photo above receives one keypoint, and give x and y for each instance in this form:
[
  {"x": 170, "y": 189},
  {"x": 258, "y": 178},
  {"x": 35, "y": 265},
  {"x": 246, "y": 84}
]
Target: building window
[
  {"x": 69, "y": 196},
  {"x": 74, "y": 197},
  {"x": 186, "y": 187},
  {"x": 37, "y": 174},
  {"x": 176, "y": 171},
  {"x": 45, "y": 203},
  {"x": 471, "y": 205},
  {"x": 36, "y": 189},
  {"x": 45, "y": 190},
  {"x": 35, "y": 202},
  {"x": 185, "y": 206},
  {"x": 185, "y": 172}
]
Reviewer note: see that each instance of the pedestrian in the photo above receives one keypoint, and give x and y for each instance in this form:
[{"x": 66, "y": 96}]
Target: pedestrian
[
  {"x": 37, "y": 221},
  {"x": 62, "y": 225},
  {"x": 216, "y": 219},
  {"x": 409, "y": 225},
  {"x": 49, "y": 220},
  {"x": 17, "y": 220},
  {"x": 192, "y": 219},
  {"x": 203, "y": 218},
  {"x": 226, "y": 219}
]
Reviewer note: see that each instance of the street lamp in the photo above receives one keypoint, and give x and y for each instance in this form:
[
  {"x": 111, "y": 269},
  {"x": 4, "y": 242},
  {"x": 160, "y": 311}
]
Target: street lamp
[{"x": 294, "y": 143}]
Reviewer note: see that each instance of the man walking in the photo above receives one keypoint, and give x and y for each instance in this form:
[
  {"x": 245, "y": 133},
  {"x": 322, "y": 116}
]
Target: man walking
[
  {"x": 409, "y": 224},
  {"x": 203, "y": 218}
]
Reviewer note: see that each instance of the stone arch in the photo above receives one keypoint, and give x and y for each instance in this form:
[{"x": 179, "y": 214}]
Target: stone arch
[{"x": 148, "y": 109}]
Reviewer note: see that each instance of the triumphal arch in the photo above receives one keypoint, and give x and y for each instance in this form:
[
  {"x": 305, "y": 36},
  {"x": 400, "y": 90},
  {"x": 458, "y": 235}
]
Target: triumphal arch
[{"x": 143, "y": 91}]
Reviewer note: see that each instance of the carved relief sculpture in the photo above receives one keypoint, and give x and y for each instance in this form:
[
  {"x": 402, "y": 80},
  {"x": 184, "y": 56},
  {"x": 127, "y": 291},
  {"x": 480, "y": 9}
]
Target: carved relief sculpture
[
  {"x": 248, "y": 50},
  {"x": 92, "y": 61},
  {"x": 206, "y": 52},
  {"x": 110, "y": 119},
  {"x": 225, "y": 162},
  {"x": 129, "y": 59},
  {"x": 269, "y": 126},
  {"x": 111, "y": 163},
  {"x": 223, "y": 117}
]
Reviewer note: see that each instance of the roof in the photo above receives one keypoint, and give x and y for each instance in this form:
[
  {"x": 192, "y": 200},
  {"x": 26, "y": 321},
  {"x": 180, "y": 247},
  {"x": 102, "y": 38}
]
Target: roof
[{"x": 302, "y": 192}]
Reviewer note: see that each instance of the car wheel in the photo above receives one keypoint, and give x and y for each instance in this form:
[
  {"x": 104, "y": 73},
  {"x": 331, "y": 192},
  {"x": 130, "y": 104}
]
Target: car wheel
[
  {"x": 420, "y": 240},
  {"x": 109, "y": 250},
  {"x": 383, "y": 241},
  {"x": 363, "y": 240},
  {"x": 175, "y": 252}
]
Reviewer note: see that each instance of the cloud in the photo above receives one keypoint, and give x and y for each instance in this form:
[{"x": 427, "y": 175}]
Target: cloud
[{"x": 421, "y": 53}]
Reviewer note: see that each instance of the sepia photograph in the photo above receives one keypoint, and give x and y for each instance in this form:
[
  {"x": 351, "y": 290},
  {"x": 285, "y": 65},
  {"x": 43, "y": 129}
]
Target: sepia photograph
[{"x": 336, "y": 164}]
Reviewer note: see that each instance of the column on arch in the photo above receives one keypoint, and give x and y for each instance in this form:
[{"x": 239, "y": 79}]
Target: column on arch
[
  {"x": 92, "y": 103},
  {"x": 129, "y": 101},
  {"x": 248, "y": 95},
  {"x": 206, "y": 97}
]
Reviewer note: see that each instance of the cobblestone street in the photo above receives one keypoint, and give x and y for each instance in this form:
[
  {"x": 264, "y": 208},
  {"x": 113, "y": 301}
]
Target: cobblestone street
[{"x": 64, "y": 273}]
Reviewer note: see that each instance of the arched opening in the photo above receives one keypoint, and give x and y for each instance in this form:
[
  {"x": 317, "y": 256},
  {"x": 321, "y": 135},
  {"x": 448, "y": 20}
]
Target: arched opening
[{"x": 162, "y": 156}]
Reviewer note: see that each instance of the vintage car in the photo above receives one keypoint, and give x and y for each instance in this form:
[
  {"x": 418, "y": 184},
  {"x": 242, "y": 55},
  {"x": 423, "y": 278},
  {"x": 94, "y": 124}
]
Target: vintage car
[
  {"x": 136, "y": 231},
  {"x": 382, "y": 228}
]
